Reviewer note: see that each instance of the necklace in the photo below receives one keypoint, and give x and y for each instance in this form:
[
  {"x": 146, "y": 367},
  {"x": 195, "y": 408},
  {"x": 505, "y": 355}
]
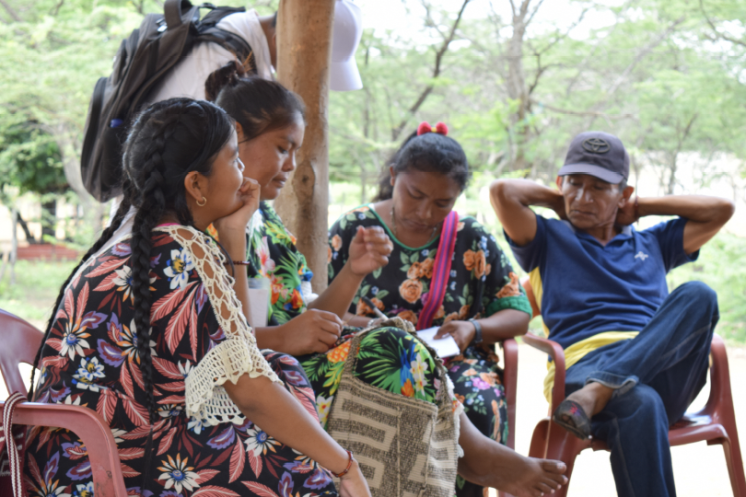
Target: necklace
[{"x": 393, "y": 227}]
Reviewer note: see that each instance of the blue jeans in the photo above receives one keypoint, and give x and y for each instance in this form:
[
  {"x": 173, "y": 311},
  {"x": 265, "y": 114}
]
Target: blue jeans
[{"x": 656, "y": 376}]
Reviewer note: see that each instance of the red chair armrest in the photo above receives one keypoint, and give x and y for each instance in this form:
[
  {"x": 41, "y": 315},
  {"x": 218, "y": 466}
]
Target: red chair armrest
[
  {"x": 92, "y": 430},
  {"x": 720, "y": 388},
  {"x": 555, "y": 351},
  {"x": 510, "y": 382}
]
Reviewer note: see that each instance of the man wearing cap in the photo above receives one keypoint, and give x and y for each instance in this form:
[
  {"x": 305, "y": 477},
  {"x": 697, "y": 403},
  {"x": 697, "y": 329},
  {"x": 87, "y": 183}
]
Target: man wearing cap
[{"x": 636, "y": 355}]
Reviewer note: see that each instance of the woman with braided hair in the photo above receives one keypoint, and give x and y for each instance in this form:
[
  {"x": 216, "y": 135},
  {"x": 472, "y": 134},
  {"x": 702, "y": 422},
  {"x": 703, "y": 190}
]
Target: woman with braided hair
[
  {"x": 150, "y": 332},
  {"x": 270, "y": 124}
]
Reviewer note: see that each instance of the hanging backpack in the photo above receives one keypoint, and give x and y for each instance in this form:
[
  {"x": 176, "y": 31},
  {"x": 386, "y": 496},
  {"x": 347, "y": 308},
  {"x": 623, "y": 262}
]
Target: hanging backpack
[{"x": 141, "y": 62}]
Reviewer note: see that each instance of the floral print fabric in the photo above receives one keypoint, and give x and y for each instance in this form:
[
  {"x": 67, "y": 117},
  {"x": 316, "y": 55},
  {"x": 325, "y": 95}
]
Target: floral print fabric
[
  {"x": 90, "y": 359},
  {"x": 388, "y": 358},
  {"x": 481, "y": 283},
  {"x": 275, "y": 257}
]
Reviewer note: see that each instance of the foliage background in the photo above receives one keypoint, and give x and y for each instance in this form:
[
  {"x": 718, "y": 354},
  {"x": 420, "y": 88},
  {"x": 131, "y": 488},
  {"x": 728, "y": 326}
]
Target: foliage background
[{"x": 513, "y": 83}]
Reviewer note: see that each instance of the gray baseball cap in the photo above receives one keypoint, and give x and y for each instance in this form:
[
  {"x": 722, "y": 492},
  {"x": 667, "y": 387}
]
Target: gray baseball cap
[{"x": 599, "y": 154}]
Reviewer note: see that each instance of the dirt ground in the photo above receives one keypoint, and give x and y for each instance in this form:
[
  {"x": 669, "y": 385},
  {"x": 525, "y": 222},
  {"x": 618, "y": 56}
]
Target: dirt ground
[{"x": 699, "y": 470}]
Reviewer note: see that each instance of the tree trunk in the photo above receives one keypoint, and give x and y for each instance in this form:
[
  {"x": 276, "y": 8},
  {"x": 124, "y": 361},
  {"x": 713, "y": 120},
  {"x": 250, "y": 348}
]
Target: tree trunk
[
  {"x": 304, "y": 35},
  {"x": 48, "y": 220},
  {"x": 30, "y": 238},
  {"x": 517, "y": 90}
]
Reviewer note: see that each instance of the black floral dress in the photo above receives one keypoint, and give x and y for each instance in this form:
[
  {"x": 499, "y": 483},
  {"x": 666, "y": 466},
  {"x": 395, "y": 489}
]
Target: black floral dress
[
  {"x": 481, "y": 283},
  {"x": 202, "y": 445}
]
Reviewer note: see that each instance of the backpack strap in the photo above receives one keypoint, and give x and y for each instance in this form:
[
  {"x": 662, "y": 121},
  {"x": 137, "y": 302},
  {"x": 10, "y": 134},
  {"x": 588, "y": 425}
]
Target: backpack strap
[
  {"x": 441, "y": 272},
  {"x": 172, "y": 12}
]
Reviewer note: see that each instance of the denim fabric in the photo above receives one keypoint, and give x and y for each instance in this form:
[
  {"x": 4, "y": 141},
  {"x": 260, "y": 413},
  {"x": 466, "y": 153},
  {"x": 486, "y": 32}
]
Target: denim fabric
[{"x": 656, "y": 376}]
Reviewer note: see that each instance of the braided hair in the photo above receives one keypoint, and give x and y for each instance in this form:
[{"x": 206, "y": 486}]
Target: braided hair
[
  {"x": 168, "y": 140},
  {"x": 429, "y": 152}
]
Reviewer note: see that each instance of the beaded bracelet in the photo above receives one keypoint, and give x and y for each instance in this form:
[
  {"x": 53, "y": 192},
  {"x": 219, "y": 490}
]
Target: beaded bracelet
[
  {"x": 347, "y": 469},
  {"x": 240, "y": 263}
]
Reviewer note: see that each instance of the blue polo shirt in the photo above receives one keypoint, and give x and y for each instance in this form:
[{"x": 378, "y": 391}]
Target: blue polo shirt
[{"x": 584, "y": 288}]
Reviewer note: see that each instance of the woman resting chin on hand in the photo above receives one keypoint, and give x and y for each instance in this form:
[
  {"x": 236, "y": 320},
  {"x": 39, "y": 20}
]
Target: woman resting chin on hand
[{"x": 151, "y": 334}]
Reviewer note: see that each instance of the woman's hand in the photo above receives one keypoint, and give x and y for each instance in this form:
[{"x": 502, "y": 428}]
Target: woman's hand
[
  {"x": 369, "y": 250},
  {"x": 353, "y": 484},
  {"x": 312, "y": 331},
  {"x": 232, "y": 228},
  {"x": 461, "y": 331}
]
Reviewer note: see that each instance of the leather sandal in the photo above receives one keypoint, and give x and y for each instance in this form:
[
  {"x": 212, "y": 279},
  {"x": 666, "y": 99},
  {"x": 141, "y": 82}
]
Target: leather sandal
[{"x": 570, "y": 416}]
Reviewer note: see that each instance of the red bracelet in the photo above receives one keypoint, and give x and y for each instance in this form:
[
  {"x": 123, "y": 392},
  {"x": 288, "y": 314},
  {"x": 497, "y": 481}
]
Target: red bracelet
[{"x": 347, "y": 469}]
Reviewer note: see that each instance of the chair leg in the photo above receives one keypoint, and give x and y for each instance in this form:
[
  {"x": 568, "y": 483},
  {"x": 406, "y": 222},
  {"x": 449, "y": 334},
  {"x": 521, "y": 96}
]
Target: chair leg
[
  {"x": 734, "y": 462},
  {"x": 565, "y": 447},
  {"x": 538, "y": 447}
]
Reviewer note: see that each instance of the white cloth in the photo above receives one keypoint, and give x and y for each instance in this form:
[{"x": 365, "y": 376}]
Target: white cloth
[{"x": 187, "y": 77}]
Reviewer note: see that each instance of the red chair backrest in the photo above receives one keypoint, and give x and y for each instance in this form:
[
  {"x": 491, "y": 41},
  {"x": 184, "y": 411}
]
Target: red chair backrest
[
  {"x": 19, "y": 342},
  {"x": 92, "y": 430}
]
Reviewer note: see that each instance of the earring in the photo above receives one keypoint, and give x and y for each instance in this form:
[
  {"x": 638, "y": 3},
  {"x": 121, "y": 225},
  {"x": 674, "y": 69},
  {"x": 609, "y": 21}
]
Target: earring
[{"x": 204, "y": 201}]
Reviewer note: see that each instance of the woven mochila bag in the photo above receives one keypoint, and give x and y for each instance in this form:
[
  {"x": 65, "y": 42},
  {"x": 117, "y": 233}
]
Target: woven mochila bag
[{"x": 406, "y": 447}]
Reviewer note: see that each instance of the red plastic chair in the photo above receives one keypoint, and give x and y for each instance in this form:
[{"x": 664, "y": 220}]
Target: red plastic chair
[
  {"x": 20, "y": 341},
  {"x": 95, "y": 433},
  {"x": 714, "y": 424}
]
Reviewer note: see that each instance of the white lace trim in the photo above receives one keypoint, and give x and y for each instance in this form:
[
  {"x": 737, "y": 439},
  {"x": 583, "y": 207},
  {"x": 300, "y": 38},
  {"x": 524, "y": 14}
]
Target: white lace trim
[{"x": 238, "y": 354}]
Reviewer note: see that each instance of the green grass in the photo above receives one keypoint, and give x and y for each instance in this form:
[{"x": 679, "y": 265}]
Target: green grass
[{"x": 35, "y": 289}]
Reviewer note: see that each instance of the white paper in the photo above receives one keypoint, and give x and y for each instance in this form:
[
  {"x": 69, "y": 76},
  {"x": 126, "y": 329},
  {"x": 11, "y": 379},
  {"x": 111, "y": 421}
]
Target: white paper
[{"x": 445, "y": 347}]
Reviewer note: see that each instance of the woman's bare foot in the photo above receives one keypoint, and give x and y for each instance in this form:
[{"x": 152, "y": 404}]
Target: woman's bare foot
[
  {"x": 490, "y": 464},
  {"x": 526, "y": 476},
  {"x": 592, "y": 398}
]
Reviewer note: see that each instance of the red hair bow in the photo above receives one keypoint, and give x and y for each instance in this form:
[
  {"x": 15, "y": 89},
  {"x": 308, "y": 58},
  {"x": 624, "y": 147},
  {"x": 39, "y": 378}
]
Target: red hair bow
[{"x": 439, "y": 128}]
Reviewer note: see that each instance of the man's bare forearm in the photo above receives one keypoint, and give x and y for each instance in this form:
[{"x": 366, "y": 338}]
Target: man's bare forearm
[
  {"x": 511, "y": 199},
  {"x": 697, "y": 208}
]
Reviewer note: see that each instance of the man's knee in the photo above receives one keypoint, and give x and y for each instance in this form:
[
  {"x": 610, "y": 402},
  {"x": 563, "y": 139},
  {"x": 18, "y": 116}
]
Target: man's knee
[
  {"x": 698, "y": 293},
  {"x": 642, "y": 404}
]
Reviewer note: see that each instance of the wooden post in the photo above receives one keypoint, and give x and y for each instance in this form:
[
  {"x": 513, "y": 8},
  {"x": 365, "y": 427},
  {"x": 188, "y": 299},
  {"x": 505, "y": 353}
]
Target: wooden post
[{"x": 304, "y": 33}]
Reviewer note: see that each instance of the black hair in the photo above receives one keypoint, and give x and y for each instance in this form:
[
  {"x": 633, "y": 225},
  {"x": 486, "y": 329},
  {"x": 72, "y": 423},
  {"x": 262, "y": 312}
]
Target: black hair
[
  {"x": 257, "y": 104},
  {"x": 167, "y": 141},
  {"x": 430, "y": 152}
]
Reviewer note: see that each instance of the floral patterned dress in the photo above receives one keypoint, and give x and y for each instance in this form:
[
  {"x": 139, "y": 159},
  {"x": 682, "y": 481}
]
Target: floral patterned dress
[
  {"x": 389, "y": 358},
  {"x": 202, "y": 445},
  {"x": 481, "y": 283}
]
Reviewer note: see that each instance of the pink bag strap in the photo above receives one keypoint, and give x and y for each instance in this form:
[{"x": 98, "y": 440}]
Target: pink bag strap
[
  {"x": 441, "y": 272},
  {"x": 6, "y": 436}
]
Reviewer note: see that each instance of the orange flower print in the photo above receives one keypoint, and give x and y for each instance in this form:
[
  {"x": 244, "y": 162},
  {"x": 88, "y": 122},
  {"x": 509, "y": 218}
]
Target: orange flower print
[
  {"x": 328, "y": 255},
  {"x": 512, "y": 289},
  {"x": 410, "y": 290},
  {"x": 339, "y": 354},
  {"x": 408, "y": 316},
  {"x": 489, "y": 378},
  {"x": 470, "y": 372},
  {"x": 496, "y": 435},
  {"x": 470, "y": 260},
  {"x": 336, "y": 243},
  {"x": 440, "y": 313},
  {"x": 407, "y": 389},
  {"x": 415, "y": 271},
  {"x": 296, "y": 300},
  {"x": 426, "y": 269},
  {"x": 480, "y": 264},
  {"x": 463, "y": 312},
  {"x": 461, "y": 398},
  {"x": 364, "y": 309},
  {"x": 475, "y": 261},
  {"x": 451, "y": 317}
]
